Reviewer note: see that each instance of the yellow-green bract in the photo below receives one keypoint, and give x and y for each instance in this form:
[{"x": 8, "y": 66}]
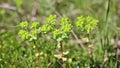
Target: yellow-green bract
[
  {"x": 64, "y": 21},
  {"x": 35, "y": 25},
  {"x": 24, "y": 24},
  {"x": 51, "y": 20},
  {"x": 31, "y": 34},
  {"x": 24, "y": 34},
  {"x": 46, "y": 28},
  {"x": 63, "y": 32}
]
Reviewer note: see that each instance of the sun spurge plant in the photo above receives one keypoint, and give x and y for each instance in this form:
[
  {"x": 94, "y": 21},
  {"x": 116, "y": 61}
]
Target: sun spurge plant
[{"x": 60, "y": 34}]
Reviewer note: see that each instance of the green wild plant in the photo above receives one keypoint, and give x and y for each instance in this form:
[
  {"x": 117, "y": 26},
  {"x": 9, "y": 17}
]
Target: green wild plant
[
  {"x": 40, "y": 47},
  {"x": 61, "y": 34}
]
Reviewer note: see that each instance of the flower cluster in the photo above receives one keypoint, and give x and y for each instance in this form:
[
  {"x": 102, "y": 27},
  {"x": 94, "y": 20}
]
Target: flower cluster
[
  {"x": 48, "y": 27},
  {"x": 91, "y": 24},
  {"x": 35, "y": 25},
  {"x": 66, "y": 27},
  {"x": 80, "y": 22},
  {"x": 24, "y": 25},
  {"x": 57, "y": 35},
  {"x": 51, "y": 20},
  {"x": 64, "y": 21},
  {"x": 86, "y": 24},
  {"x": 25, "y": 34},
  {"x": 63, "y": 33}
]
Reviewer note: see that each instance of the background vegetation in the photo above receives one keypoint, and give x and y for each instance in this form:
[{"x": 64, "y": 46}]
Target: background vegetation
[{"x": 17, "y": 53}]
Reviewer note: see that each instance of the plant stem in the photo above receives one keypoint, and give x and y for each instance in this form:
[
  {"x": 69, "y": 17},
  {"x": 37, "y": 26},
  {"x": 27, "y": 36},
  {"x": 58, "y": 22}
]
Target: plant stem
[
  {"x": 90, "y": 51},
  {"x": 61, "y": 48},
  {"x": 37, "y": 51},
  {"x": 61, "y": 51}
]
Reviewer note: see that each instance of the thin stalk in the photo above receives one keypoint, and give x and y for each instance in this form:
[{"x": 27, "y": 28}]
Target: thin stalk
[
  {"x": 90, "y": 45},
  {"x": 61, "y": 48},
  {"x": 37, "y": 51},
  {"x": 61, "y": 51}
]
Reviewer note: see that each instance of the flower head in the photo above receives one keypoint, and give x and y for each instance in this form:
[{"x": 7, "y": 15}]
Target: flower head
[{"x": 24, "y": 24}]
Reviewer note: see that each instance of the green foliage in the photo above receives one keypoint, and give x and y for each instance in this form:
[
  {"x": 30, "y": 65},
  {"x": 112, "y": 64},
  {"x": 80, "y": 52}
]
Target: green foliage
[
  {"x": 24, "y": 34},
  {"x": 57, "y": 34},
  {"x": 60, "y": 34},
  {"x": 22, "y": 53},
  {"x": 35, "y": 25},
  {"x": 91, "y": 23},
  {"x": 24, "y": 25},
  {"x": 51, "y": 20},
  {"x": 86, "y": 24},
  {"x": 64, "y": 21},
  {"x": 65, "y": 30},
  {"x": 80, "y": 22},
  {"x": 31, "y": 35},
  {"x": 34, "y": 32},
  {"x": 46, "y": 28}
]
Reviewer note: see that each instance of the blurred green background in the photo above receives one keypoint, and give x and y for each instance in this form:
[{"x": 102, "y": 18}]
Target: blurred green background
[{"x": 15, "y": 53}]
